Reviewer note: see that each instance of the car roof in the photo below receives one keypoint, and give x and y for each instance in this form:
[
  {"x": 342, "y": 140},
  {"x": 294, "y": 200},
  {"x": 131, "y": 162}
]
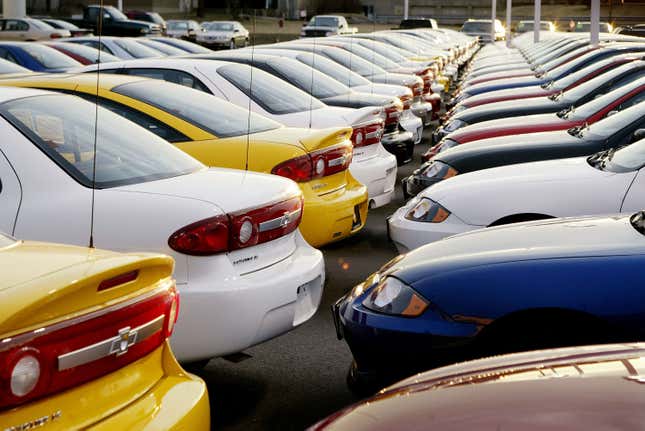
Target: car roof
[
  {"x": 11, "y": 93},
  {"x": 106, "y": 81}
]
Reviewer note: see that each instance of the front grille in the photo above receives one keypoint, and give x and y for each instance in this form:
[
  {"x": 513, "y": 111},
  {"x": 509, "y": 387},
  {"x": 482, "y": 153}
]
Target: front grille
[{"x": 315, "y": 33}]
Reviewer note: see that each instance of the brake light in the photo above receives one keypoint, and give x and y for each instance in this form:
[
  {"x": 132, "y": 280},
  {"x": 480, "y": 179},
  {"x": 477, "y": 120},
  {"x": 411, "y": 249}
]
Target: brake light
[
  {"x": 406, "y": 100},
  {"x": 316, "y": 164},
  {"x": 417, "y": 88},
  {"x": 55, "y": 36},
  {"x": 66, "y": 354},
  {"x": 367, "y": 133},
  {"x": 393, "y": 112},
  {"x": 118, "y": 280},
  {"x": 238, "y": 230},
  {"x": 427, "y": 76}
]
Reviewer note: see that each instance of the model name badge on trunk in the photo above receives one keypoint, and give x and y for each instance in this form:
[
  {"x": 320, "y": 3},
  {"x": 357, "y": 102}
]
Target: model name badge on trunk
[
  {"x": 245, "y": 260},
  {"x": 36, "y": 423}
]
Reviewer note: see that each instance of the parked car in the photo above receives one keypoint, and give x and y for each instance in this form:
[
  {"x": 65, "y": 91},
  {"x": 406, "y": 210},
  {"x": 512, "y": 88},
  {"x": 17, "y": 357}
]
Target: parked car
[
  {"x": 146, "y": 16},
  {"x": 92, "y": 325},
  {"x": 327, "y": 25},
  {"x": 274, "y": 98},
  {"x": 223, "y": 34},
  {"x": 112, "y": 22},
  {"x": 37, "y": 57},
  {"x": 632, "y": 30},
  {"x": 331, "y": 92},
  {"x": 563, "y": 389},
  {"x": 82, "y": 53},
  {"x": 185, "y": 29},
  {"x": 7, "y": 67},
  {"x": 29, "y": 29},
  {"x": 511, "y": 288},
  {"x": 221, "y": 134},
  {"x": 419, "y": 23},
  {"x": 482, "y": 28},
  {"x": 529, "y": 25},
  {"x": 121, "y": 47},
  {"x": 412, "y": 225},
  {"x": 585, "y": 27},
  {"x": 64, "y": 25},
  {"x": 184, "y": 45},
  {"x": 576, "y": 96},
  {"x": 237, "y": 231},
  {"x": 164, "y": 48}
]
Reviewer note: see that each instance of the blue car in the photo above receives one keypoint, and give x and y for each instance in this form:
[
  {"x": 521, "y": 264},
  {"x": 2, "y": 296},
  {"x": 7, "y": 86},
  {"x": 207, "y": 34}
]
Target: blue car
[
  {"x": 559, "y": 72},
  {"x": 37, "y": 57},
  {"x": 551, "y": 283}
]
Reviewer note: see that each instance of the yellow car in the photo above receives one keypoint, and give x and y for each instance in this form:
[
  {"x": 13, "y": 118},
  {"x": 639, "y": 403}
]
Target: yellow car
[
  {"x": 218, "y": 133},
  {"x": 84, "y": 342}
]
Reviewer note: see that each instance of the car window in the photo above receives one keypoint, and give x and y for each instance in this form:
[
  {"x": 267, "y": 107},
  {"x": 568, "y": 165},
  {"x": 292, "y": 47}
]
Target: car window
[
  {"x": 136, "y": 49},
  {"x": 219, "y": 117},
  {"x": 601, "y": 84},
  {"x": 618, "y": 125},
  {"x": 15, "y": 25},
  {"x": 177, "y": 26},
  {"x": 49, "y": 57},
  {"x": 4, "y": 53},
  {"x": 161, "y": 47},
  {"x": 147, "y": 122},
  {"x": 588, "y": 109},
  {"x": 628, "y": 158},
  {"x": 41, "y": 25},
  {"x": 170, "y": 75},
  {"x": 331, "y": 68},
  {"x": 273, "y": 94},
  {"x": 74, "y": 133},
  {"x": 308, "y": 79},
  {"x": 353, "y": 62}
]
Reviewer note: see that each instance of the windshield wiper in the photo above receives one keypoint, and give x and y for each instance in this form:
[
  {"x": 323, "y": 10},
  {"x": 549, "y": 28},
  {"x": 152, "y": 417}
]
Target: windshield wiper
[
  {"x": 565, "y": 112},
  {"x": 577, "y": 131},
  {"x": 638, "y": 221},
  {"x": 547, "y": 85},
  {"x": 556, "y": 96},
  {"x": 599, "y": 160}
]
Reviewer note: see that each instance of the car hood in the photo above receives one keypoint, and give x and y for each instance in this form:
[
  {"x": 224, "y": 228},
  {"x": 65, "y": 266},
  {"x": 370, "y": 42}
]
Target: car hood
[
  {"x": 508, "y": 108},
  {"x": 544, "y": 239},
  {"x": 355, "y": 99},
  {"x": 507, "y": 126},
  {"x": 214, "y": 185},
  {"x": 556, "y": 188},
  {"x": 505, "y": 94}
]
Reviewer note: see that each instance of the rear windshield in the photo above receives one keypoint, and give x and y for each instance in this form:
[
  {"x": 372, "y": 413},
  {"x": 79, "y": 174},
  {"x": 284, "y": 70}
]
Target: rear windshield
[
  {"x": 272, "y": 93},
  {"x": 308, "y": 79},
  {"x": 324, "y": 21},
  {"x": 177, "y": 25},
  {"x": 63, "y": 127},
  {"x": 137, "y": 50},
  {"x": 185, "y": 45},
  {"x": 161, "y": 47},
  {"x": 87, "y": 52},
  {"x": 354, "y": 62},
  {"x": 333, "y": 69},
  {"x": 371, "y": 56},
  {"x": 48, "y": 57},
  {"x": 41, "y": 25},
  {"x": 476, "y": 26},
  {"x": 218, "y": 26},
  {"x": 219, "y": 117}
]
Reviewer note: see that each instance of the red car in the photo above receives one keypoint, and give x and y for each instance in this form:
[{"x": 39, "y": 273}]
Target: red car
[
  {"x": 567, "y": 389},
  {"x": 588, "y": 113},
  {"x": 553, "y": 87},
  {"x": 81, "y": 53}
]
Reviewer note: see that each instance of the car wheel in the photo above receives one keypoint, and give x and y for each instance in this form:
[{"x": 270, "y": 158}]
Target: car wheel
[{"x": 232, "y": 44}]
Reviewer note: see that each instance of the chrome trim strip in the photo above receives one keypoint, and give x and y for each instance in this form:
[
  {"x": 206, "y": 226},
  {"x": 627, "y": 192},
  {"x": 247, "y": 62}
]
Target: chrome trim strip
[
  {"x": 374, "y": 134},
  {"x": 278, "y": 221},
  {"x": 117, "y": 345},
  {"x": 334, "y": 190},
  {"x": 337, "y": 161}
]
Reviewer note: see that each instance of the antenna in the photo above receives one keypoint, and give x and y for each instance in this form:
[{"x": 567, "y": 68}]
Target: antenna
[
  {"x": 248, "y": 123},
  {"x": 99, "y": 26},
  {"x": 311, "y": 90}
]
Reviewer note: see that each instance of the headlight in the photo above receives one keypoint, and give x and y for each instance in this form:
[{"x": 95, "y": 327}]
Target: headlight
[
  {"x": 461, "y": 97},
  {"x": 439, "y": 170},
  {"x": 330, "y": 33},
  {"x": 392, "y": 296},
  {"x": 454, "y": 125},
  {"x": 446, "y": 144},
  {"x": 428, "y": 211},
  {"x": 145, "y": 30},
  {"x": 457, "y": 109}
]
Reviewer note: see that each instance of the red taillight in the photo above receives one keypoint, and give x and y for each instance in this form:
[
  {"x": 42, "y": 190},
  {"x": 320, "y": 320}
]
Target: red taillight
[
  {"x": 238, "y": 230},
  {"x": 316, "y": 164},
  {"x": 392, "y": 113},
  {"x": 118, "y": 280},
  {"x": 407, "y": 101},
  {"x": 55, "y": 36},
  {"x": 368, "y": 133},
  {"x": 51, "y": 359},
  {"x": 417, "y": 88},
  {"x": 427, "y": 76}
]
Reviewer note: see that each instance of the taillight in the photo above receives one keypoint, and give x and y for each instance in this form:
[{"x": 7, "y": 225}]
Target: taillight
[
  {"x": 52, "y": 359},
  {"x": 238, "y": 230},
  {"x": 55, "y": 36},
  {"x": 427, "y": 76},
  {"x": 417, "y": 88},
  {"x": 406, "y": 100},
  {"x": 367, "y": 133},
  {"x": 316, "y": 164},
  {"x": 393, "y": 112}
]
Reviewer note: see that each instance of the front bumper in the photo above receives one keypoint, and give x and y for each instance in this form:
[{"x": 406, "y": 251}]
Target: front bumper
[
  {"x": 224, "y": 314},
  {"x": 408, "y": 234},
  {"x": 415, "y": 184},
  {"x": 334, "y": 215},
  {"x": 150, "y": 393},
  {"x": 401, "y": 144}
]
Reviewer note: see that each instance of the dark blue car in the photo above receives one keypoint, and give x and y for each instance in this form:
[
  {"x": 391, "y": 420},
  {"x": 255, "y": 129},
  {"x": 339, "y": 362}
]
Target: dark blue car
[
  {"x": 519, "y": 287},
  {"x": 552, "y": 75},
  {"x": 37, "y": 57}
]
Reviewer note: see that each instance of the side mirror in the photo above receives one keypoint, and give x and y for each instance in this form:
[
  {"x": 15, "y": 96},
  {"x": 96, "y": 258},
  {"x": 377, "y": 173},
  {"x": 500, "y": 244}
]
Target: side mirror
[
  {"x": 237, "y": 30},
  {"x": 107, "y": 16},
  {"x": 610, "y": 113},
  {"x": 639, "y": 134}
]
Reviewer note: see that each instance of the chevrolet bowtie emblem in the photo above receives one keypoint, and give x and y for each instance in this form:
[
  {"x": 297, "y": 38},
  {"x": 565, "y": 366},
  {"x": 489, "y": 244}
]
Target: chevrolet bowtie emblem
[
  {"x": 284, "y": 220},
  {"x": 127, "y": 338}
]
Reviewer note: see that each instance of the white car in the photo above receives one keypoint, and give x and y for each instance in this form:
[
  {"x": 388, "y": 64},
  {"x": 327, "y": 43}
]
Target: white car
[
  {"x": 121, "y": 47},
  {"x": 272, "y": 97},
  {"x": 611, "y": 181},
  {"x": 29, "y": 29},
  {"x": 219, "y": 34},
  {"x": 244, "y": 272}
]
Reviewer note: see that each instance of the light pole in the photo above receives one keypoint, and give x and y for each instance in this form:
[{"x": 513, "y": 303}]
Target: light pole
[
  {"x": 14, "y": 8},
  {"x": 595, "y": 22},
  {"x": 406, "y": 6},
  {"x": 537, "y": 12},
  {"x": 493, "y": 13},
  {"x": 509, "y": 6}
]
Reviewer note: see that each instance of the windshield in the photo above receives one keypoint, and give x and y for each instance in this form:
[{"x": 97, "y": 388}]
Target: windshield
[
  {"x": 371, "y": 56},
  {"x": 354, "y": 62},
  {"x": 629, "y": 158},
  {"x": 609, "y": 126},
  {"x": 218, "y": 26},
  {"x": 588, "y": 109},
  {"x": 585, "y": 27},
  {"x": 308, "y": 79},
  {"x": 177, "y": 25},
  {"x": 136, "y": 49},
  {"x": 41, "y": 25},
  {"x": 599, "y": 85},
  {"x": 333, "y": 69},
  {"x": 161, "y": 47},
  {"x": 48, "y": 57},
  {"x": 270, "y": 92},
  {"x": 219, "y": 117},
  {"x": 184, "y": 45},
  {"x": 87, "y": 52},
  {"x": 63, "y": 24},
  {"x": 63, "y": 127},
  {"x": 116, "y": 14},
  {"x": 324, "y": 21},
  {"x": 388, "y": 52},
  {"x": 476, "y": 26}
]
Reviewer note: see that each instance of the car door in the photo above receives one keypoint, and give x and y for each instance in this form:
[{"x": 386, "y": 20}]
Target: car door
[
  {"x": 14, "y": 29},
  {"x": 10, "y": 195}
]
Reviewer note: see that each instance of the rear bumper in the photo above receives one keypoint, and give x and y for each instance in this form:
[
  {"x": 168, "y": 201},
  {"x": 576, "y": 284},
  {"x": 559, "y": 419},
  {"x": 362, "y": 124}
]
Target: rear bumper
[
  {"x": 401, "y": 144},
  {"x": 378, "y": 174},
  {"x": 150, "y": 393}
]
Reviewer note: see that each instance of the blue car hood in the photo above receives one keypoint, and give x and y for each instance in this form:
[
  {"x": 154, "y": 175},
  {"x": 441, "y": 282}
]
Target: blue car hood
[{"x": 501, "y": 84}]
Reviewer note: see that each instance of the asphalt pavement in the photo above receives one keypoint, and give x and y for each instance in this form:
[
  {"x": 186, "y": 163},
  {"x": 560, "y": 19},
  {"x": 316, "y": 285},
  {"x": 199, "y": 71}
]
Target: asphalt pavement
[{"x": 292, "y": 381}]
